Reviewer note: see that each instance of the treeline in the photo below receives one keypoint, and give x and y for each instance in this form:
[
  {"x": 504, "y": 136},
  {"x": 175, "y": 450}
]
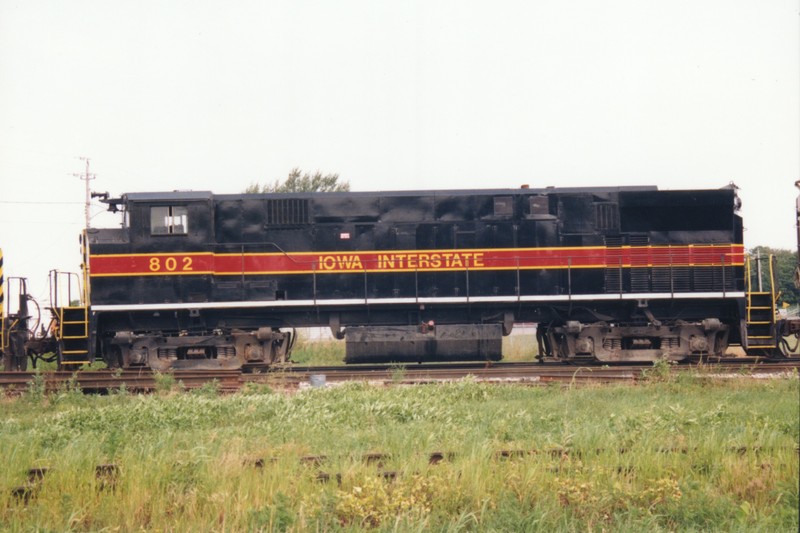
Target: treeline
[{"x": 785, "y": 266}]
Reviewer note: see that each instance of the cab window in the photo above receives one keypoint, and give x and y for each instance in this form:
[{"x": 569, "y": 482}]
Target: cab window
[{"x": 169, "y": 220}]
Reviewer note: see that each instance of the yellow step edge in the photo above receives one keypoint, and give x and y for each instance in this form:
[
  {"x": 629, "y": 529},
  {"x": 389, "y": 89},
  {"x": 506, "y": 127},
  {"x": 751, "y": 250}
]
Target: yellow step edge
[{"x": 74, "y": 352}]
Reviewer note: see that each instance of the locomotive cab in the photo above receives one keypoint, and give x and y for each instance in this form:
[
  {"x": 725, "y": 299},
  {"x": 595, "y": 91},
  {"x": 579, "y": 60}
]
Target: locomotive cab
[{"x": 151, "y": 285}]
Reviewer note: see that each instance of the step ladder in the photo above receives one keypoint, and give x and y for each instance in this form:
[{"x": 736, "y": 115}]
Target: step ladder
[
  {"x": 760, "y": 320},
  {"x": 73, "y": 335},
  {"x": 761, "y": 309}
]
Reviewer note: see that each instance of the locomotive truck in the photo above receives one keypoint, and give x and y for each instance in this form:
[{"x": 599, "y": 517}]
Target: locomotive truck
[{"x": 192, "y": 279}]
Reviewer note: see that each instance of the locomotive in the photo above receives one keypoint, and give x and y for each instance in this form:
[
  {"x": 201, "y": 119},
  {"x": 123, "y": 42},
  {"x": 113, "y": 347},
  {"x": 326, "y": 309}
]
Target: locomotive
[{"x": 193, "y": 279}]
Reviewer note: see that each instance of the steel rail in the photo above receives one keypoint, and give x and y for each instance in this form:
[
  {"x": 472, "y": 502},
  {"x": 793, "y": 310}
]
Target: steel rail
[{"x": 144, "y": 380}]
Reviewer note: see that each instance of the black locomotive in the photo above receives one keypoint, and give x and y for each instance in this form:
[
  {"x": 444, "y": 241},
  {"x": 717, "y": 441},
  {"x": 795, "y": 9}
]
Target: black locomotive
[{"x": 198, "y": 280}]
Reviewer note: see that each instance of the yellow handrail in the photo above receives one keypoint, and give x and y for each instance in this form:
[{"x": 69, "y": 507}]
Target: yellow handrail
[
  {"x": 748, "y": 276},
  {"x": 85, "y": 269},
  {"x": 770, "y": 279},
  {"x": 773, "y": 299}
]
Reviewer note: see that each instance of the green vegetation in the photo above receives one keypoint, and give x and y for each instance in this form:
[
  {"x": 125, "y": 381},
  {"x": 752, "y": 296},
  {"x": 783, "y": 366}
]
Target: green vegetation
[
  {"x": 318, "y": 352},
  {"x": 689, "y": 453},
  {"x": 785, "y": 265},
  {"x": 298, "y": 181},
  {"x": 520, "y": 348}
]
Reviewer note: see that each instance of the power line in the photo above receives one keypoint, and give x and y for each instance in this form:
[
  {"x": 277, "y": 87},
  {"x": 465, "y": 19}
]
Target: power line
[{"x": 27, "y": 202}]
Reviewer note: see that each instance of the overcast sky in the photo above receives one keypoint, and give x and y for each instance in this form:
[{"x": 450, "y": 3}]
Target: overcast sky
[{"x": 205, "y": 95}]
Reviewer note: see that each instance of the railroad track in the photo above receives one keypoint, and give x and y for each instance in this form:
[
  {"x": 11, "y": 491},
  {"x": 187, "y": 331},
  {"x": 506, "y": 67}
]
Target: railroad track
[
  {"x": 295, "y": 377},
  {"x": 142, "y": 380},
  {"x": 532, "y": 373}
]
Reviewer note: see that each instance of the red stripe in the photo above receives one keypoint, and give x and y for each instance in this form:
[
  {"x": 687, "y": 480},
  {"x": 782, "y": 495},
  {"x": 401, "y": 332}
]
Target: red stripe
[{"x": 420, "y": 260}]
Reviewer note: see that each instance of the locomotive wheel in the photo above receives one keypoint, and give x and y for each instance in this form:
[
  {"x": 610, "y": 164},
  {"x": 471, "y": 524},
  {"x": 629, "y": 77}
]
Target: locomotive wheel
[{"x": 113, "y": 357}]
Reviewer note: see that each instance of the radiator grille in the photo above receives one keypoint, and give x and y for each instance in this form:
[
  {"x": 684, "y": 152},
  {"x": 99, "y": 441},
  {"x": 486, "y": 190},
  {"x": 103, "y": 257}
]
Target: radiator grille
[
  {"x": 606, "y": 217},
  {"x": 613, "y": 276},
  {"x": 640, "y": 271},
  {"x": 287, "y": 212},
  {"x": 681, "y": 279}
]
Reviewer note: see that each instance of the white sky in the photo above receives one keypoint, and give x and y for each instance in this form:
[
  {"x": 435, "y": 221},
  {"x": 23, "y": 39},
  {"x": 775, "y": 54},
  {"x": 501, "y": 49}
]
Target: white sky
[{"x": 206, "y": 95}]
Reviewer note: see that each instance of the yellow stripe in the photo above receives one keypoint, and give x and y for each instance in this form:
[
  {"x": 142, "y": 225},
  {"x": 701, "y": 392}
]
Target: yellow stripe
[
  {"x": 391, "y": 270},
  {"x": 157, "y": 254},
  {"x": 164, "y": 273},
  {"x": 418, "y": 250}
]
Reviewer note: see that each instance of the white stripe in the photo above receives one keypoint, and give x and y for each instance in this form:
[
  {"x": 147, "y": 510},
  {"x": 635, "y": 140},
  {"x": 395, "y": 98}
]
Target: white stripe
[{"x": 397, "y": 301}]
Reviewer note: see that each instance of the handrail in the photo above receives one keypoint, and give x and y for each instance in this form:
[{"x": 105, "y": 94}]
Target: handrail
[
  {"x": 748, "y": 274},
  {"x": 772, "y": 286},
  {"x": 86, "y": 274},
  {"x": 770, "y": 274},
  {"x": 57, "y": 278}
]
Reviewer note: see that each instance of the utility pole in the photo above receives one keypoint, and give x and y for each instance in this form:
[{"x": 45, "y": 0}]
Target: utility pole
[{"x": 87, "y": 177}]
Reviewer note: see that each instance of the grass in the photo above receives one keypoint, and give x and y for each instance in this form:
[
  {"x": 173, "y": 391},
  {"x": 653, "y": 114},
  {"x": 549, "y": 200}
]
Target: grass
[
  {"x": 309, "y": 352},
  {"x": 520, "y": 348},
  {"x": 668, "y": 455}
]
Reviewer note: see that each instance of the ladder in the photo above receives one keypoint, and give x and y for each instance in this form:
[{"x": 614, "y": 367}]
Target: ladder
[
  {"x": 72, "y": 320},
  {"x": 73, "y": 335},
  {"x": 761, "y": 307}
]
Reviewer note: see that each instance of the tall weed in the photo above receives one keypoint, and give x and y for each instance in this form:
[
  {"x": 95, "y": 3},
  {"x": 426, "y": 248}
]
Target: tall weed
[{"x": 665, "y": 455}]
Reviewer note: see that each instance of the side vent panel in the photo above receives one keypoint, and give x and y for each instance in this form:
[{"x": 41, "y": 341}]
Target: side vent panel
[
  {"x": 613, "y": 282},
  {"x": 640, "y": 271},
  {"x": 287, "y": 212},
  {"x": 606, "y": 217}
]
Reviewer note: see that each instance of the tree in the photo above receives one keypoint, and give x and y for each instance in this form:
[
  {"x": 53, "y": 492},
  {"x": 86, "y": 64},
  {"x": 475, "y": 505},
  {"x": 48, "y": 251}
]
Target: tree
[
  {"x": 785, "y": 265},
  {"x": 298, "y": 181}
]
